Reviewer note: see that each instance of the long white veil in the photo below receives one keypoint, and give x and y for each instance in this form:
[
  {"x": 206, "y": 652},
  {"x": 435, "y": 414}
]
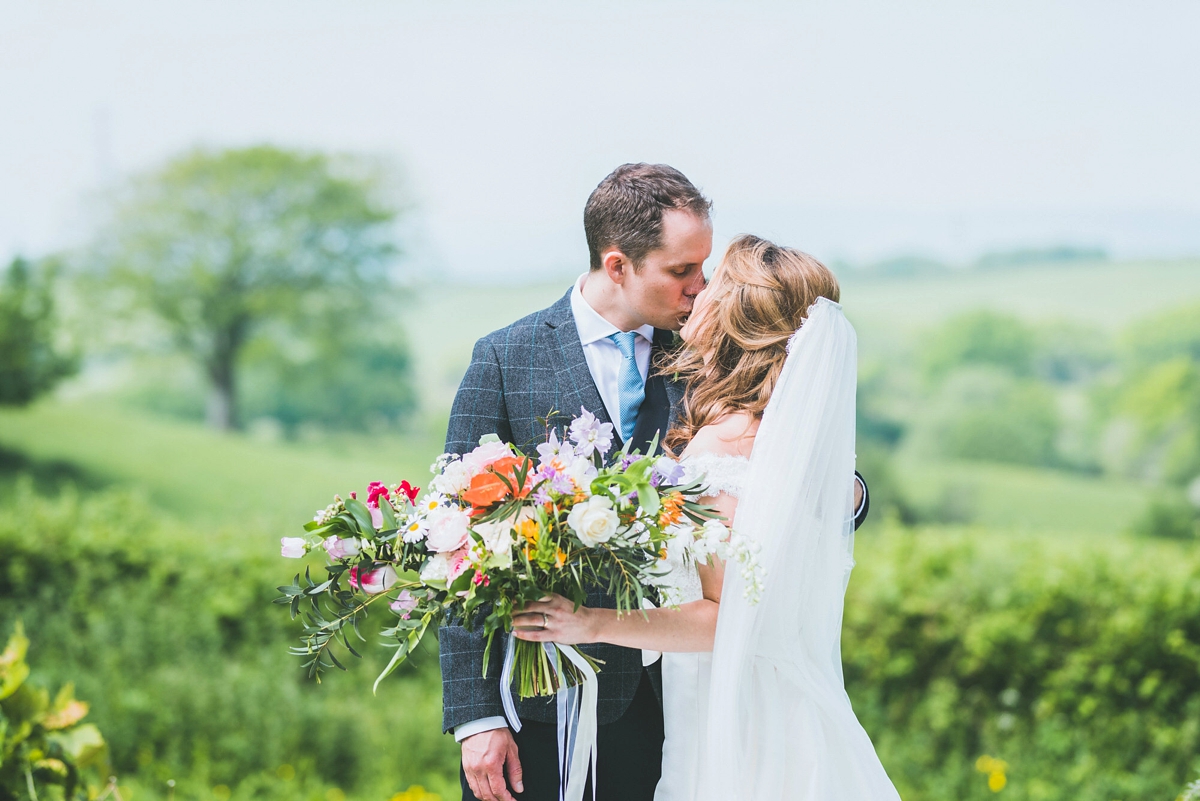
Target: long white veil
[{"x": 780, "y": 725}]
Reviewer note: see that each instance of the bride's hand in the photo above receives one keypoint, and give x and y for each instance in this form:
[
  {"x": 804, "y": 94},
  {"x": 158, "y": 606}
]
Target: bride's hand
[{"x": 555, "y": 619}]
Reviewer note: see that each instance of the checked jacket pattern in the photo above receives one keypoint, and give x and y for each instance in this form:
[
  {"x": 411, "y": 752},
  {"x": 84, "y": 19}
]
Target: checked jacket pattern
[{"x": 517, "y": 375}]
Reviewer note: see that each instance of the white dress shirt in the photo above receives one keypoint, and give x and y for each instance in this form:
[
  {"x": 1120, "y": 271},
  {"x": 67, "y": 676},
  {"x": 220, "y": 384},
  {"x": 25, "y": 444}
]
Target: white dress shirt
[{"x": 604, "y": 361}]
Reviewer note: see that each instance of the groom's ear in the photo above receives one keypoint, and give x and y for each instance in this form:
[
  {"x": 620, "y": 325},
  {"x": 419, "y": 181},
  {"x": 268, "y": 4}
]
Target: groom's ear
[{"x": 615, "y": 264}]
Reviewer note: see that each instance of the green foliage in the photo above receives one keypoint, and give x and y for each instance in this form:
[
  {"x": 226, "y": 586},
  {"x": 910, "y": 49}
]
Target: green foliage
[
  {"x": 32, "y": 360},
  {"x": 345, "y": 377},
  {"x": 1169, "y": 516},
  {"x": 43, "y": 744},
  {"x": 1077, "y": 665},
  {"x": 980, "y": 338},
  {"x": 1152, "y": 411},
  {"x": 171, "y": 633},
  {"x": 222, "y": 246},
  {"x": 988, "y": 415}
]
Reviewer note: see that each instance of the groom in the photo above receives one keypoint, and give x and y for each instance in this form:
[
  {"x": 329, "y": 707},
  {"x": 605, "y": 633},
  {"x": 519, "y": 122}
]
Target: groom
[{"x": 649, "y": 234}]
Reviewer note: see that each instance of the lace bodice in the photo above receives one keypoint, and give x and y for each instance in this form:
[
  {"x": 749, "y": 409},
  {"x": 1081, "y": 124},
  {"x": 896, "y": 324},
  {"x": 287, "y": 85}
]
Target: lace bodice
[{"x": 721, "y": 474}]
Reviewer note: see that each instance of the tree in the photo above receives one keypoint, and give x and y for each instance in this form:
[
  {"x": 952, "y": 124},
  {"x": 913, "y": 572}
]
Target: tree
[
  {"x": 981, "y": 338},
  {"x": 31, "y": 361},
  {"x": 220, "y": 246}
]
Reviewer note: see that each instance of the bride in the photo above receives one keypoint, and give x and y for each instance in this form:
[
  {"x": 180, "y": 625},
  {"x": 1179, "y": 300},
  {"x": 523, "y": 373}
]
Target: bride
[{"x": 754, "y": 704}]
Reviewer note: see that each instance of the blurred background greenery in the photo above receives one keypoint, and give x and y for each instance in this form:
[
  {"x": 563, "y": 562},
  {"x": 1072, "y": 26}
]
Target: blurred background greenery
[
  {"x": 1028, "y": 590},
  {"x": 199, "y": 345}
]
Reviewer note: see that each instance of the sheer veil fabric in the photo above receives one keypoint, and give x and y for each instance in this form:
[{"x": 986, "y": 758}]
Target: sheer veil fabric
[{"x": 780, "y": 725}]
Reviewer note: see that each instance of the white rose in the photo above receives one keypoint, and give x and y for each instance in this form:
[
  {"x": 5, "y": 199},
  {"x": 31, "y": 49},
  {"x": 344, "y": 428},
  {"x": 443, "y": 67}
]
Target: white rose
[
  {"x": 497, "y": 536},
  {"x": 595, "y": 521},
  {"x": 454, "y": 480},
  {"x": 437, "y": 568},
  {"x": 447, "y": 529}
]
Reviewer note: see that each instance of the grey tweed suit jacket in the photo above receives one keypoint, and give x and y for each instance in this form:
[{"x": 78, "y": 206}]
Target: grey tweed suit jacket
[{"x": 519, "y": 374}]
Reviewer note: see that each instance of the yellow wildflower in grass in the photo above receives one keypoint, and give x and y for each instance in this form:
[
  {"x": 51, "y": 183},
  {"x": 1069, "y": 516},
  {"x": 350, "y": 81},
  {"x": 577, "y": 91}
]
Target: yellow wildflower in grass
[
  {"x": 996, "y": 770},
  {"x": 415, "y": 793}
]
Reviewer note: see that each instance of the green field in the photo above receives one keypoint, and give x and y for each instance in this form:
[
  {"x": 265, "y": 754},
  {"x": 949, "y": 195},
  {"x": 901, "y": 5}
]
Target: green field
[
  {"x": 158, "y": 604},
  {"x": 889, "y": 313}
]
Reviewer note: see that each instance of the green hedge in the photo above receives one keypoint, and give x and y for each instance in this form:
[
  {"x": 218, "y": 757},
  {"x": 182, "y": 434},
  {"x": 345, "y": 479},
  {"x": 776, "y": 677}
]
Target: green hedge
[
  {"x": 1076, "y": 662},
  {"x": 171, "y": 637}
]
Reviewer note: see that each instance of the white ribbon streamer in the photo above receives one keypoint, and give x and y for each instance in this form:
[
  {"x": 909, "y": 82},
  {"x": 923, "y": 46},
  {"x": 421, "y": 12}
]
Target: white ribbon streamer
[{"x": 577, "y": 717}]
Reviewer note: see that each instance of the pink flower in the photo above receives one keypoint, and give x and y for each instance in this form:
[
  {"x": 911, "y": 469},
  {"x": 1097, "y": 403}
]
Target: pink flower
[
  {"x": 339, "y": 548},
  {"x": 447, "y": 529},
  {"x": 458, "y": 564},
  {"x": 373, "y": 582},
  {"x": 292, "y": 547},
  {"x": 482, "y": 457},
  {"x": 374, "y": 490},
  {"x": 480, "y": 578},
  {"x": 404, "y": 604}
]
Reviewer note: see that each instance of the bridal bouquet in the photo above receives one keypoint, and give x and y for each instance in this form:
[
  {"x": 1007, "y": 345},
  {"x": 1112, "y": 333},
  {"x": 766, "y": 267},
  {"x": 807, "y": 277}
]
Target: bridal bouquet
[{"x": 498, "y": 529}]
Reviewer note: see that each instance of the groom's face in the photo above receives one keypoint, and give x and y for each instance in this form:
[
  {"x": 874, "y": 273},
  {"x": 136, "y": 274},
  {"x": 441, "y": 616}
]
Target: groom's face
[{"x": 663, "y": 290}]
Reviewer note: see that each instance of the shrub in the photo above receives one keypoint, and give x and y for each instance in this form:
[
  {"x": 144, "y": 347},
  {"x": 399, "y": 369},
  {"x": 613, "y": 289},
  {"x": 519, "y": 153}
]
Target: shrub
[
  {"x": 1169, "y": 516},
  {"x": 171, "y": 634},
  {"x": 1076, "y": 663}
]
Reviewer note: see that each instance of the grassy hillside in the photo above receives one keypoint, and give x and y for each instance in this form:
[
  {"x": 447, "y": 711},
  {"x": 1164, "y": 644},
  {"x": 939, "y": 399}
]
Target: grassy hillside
[
  {"x": 888, "y": 312},
  {"x": 205, "y": 477},
  {"x": 259, "y": 486}
]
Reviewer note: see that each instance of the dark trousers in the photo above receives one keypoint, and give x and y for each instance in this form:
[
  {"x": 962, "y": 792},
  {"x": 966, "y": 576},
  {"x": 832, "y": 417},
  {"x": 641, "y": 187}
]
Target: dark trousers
[{"x": 628, "y": 755}]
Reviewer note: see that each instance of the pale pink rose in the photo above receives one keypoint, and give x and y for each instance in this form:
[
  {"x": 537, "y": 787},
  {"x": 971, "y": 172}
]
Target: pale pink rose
[
  {"x": 374, "y": 581},
  {"x": 459, "y": 563},
  {"x": 292, "y": 547},
  {"x": 339, "y": 548},
  {"x": 447, "y": 529},
  {"x": 404, "y": 604},
  {"x": 478, "y": 460}
]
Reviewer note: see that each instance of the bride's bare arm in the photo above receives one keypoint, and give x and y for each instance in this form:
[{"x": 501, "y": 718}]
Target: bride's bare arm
[{"x": 689, "y": 628}]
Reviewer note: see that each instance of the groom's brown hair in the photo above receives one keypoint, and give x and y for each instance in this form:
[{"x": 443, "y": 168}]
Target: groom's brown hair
[{"x": 625, "y": 211}]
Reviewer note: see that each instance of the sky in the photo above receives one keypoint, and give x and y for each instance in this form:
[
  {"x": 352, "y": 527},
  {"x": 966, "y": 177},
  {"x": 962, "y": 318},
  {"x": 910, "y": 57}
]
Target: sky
[{"x": 854, "y": 130}]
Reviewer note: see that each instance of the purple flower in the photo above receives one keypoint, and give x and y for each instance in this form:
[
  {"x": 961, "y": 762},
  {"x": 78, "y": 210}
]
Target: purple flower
[
  {"x": 590, "y": 435},
  {"x": 667, "y": 471}
]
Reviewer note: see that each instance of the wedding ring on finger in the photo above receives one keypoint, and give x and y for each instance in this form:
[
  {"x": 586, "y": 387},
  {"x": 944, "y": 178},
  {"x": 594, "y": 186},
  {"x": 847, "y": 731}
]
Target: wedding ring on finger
[{"x": 545, "y": 621}]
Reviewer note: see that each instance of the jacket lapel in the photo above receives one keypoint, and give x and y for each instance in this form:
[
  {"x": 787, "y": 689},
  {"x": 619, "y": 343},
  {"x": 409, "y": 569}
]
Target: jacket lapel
[{"x": 576, "y": 386}]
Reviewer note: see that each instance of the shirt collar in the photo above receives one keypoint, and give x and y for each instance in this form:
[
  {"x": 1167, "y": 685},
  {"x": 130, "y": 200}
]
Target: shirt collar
[{"x": 591, "y": 326}]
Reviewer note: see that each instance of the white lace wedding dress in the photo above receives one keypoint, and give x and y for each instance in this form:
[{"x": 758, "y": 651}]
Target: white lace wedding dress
[
  {"x": 686, "y": 675},
  {"x": 765, "y": 716}
]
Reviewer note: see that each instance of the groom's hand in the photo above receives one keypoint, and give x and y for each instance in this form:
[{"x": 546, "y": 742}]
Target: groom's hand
[{"x": 487, "y": 757}]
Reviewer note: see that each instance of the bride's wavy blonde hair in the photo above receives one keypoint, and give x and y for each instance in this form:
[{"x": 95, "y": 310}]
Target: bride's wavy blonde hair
[{"x": 757, "y": 299}]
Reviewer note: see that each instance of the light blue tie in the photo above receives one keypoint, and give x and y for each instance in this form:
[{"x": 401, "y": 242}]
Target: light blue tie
[{"x": 630, "y": 383}]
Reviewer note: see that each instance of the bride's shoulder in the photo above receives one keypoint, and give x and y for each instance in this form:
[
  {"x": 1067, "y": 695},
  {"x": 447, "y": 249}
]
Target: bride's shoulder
[{"x": 730, "y": 435}]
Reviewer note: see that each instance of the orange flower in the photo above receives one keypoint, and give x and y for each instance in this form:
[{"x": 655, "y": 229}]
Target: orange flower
[
  {"x": 487, "y": 488},
  {"x": 672, "y": 510},
  {"x": 560, "y": 558}
]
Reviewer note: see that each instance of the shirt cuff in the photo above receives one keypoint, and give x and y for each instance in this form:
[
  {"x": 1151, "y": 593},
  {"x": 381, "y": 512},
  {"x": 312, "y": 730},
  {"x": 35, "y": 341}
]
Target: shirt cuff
[{"x": 478, "y": 726}]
